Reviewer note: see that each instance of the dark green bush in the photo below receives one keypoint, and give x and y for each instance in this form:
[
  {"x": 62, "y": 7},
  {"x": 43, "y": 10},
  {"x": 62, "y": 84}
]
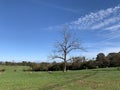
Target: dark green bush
[{"x": 2, "y": 70}]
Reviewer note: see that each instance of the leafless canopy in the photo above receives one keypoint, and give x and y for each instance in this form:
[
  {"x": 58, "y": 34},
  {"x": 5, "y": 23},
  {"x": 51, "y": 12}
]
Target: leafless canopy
[{"x": 66, "y": 45}]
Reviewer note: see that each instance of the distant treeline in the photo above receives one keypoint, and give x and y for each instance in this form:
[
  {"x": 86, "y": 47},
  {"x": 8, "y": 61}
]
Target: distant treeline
[{"x": 76, "y": 63}]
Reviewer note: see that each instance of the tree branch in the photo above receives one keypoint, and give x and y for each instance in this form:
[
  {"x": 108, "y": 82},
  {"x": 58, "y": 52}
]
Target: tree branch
[{"x": 56, "y": 56}]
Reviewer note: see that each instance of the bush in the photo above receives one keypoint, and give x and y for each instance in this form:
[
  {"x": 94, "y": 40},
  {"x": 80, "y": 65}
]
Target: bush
[
  {"x": 118, "y": 68},
  {"x": 36, "y": 68},
  {"x": 15, "y": 70},
  {"x": 2, "y": 70}
]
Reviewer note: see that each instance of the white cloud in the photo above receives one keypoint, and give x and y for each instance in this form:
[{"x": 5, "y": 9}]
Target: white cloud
[
  {"x": 102, "y": 19},
  {"x": 98, "y": 20},
  {"x": 105, "y": 23},
  {"x": 114, "y": 32},
  {"x": 114, "y": 27}
]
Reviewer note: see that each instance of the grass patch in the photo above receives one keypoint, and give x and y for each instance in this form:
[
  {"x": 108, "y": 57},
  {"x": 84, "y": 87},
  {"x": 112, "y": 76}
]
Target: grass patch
[{"x": 97, "y": 79}]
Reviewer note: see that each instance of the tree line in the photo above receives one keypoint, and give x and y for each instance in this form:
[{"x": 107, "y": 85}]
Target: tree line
[{"x": 75, "y": 63}]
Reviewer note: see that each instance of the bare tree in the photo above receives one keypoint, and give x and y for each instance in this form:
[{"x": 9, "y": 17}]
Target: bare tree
[{"x": 65, "y": 46}]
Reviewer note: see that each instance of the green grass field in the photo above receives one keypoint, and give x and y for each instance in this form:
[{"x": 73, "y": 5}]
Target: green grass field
[{"x": 97, "y": 79}]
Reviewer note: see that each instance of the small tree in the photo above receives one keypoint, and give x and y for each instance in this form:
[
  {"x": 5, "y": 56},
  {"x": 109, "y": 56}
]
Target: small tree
[
  {"x": 77, "y": 62},
  {"x": 114, "y": 59},
  {"x": 64, "y": 47},
  {"x": 102, "y": 61}
]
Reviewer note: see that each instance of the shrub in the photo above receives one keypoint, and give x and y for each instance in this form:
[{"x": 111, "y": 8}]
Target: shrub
[
  {"x": 15, "y": 70},
  {"x": 2, "y": 70},
  {"x": 118, "y": 68}
]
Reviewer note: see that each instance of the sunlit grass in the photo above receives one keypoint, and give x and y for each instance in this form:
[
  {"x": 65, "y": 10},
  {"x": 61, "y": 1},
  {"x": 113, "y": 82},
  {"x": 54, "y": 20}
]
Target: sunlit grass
[{"x": 97, "y": 79}]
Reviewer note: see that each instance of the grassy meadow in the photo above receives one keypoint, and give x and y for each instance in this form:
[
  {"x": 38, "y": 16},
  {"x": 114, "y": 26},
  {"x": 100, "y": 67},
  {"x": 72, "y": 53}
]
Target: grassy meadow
[{"x": 14, "y": 78}]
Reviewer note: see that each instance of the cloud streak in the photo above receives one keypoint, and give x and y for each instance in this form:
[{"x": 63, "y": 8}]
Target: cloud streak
[
  {"x": 104, "y": 19},
  {"x": 98, "y": 20},
  {"x": 51, "y": 5},
  {"x": 106, "y": 23}
]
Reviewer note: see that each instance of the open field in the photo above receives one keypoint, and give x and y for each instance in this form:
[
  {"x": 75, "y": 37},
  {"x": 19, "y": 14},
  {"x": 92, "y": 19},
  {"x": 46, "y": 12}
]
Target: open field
[{"x": 97, "y": 79}]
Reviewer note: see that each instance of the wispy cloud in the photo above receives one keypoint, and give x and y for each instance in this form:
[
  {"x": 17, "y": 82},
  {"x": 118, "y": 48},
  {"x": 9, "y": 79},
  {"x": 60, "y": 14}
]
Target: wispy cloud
[
  {"x": 104, "y": 21},
  {"x": 52, "y": 5},
  {"x": 114, "y": 27},
  {"x": 98, "y": 20},
  {"x": 65, "y": 9}
]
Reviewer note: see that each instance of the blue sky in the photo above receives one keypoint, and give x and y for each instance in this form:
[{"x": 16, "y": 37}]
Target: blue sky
[{"x": 29, "y": 28}]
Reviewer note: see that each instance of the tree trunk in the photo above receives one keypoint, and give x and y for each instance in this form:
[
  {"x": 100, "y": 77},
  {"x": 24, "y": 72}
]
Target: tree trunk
[
  {"x": 65, "y": 69},
  {"x": 65, "y": 62}
]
